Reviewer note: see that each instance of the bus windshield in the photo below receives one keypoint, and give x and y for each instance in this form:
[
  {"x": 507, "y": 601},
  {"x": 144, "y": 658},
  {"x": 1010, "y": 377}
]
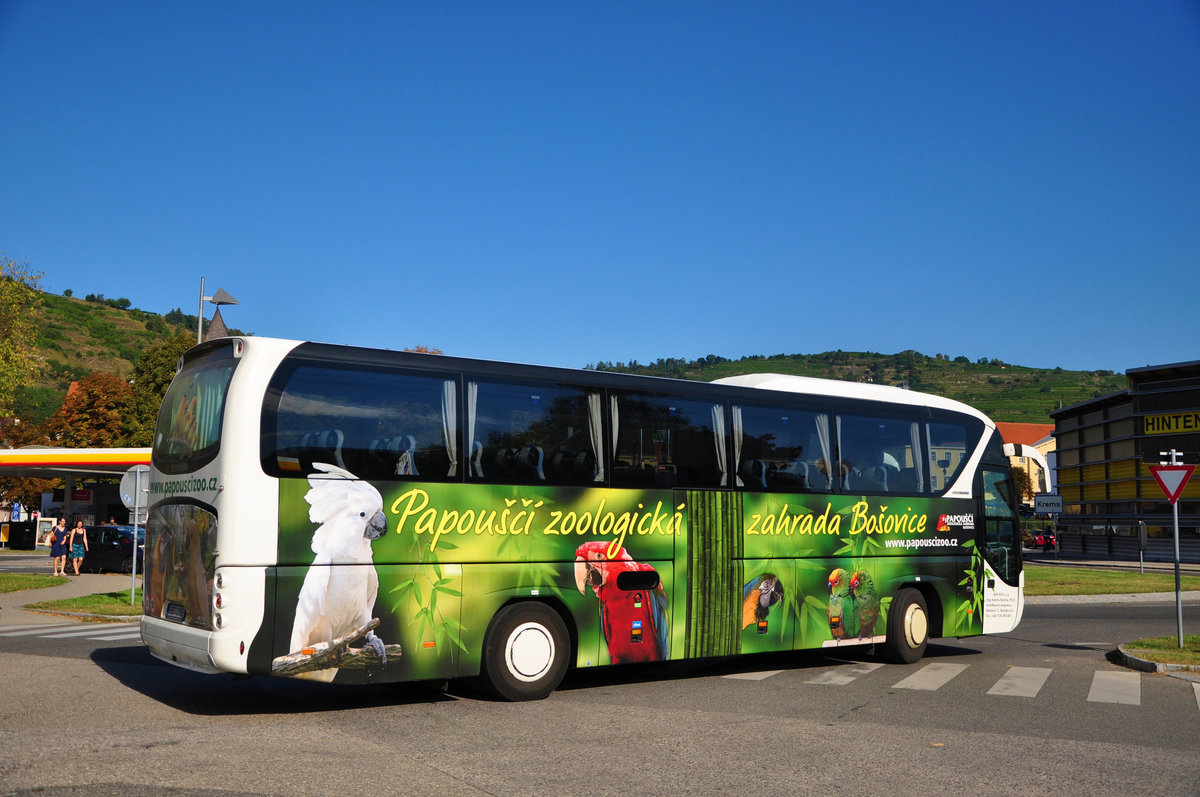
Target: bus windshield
[{"x": 188, "y": 434}]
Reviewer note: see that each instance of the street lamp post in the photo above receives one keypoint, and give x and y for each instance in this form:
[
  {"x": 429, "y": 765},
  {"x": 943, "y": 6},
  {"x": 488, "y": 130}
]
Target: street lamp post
[{"x": 219, "y": 298}]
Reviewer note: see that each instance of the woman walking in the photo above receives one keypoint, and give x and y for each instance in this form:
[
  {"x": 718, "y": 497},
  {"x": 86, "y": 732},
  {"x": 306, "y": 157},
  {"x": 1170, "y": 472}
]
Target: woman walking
[
  {"x": 79, "y": 544},
  {"x": 58, "y": 547}
]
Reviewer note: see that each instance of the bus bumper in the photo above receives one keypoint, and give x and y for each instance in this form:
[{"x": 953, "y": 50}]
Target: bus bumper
[{"x": 179, "y": 645}]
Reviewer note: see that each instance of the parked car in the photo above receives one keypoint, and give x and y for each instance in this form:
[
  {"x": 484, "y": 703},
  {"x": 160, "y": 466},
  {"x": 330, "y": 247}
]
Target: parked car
[
  {"x": 111, "y": 548},
  {"x": 1038, "y": 538}
]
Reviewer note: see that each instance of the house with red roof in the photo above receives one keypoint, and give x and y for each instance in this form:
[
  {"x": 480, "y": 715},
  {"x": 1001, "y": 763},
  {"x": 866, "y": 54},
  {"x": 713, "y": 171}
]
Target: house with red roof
[{"x": 1039, "y": 436}]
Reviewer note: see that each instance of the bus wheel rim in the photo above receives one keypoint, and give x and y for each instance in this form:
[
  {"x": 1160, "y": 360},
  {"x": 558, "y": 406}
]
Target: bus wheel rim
[
  {"x": 529, "y": 652},
  {"x": 916, "y": 626}
]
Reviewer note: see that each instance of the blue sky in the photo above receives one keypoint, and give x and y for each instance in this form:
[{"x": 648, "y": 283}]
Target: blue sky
[{"x": 567, "y": 183}]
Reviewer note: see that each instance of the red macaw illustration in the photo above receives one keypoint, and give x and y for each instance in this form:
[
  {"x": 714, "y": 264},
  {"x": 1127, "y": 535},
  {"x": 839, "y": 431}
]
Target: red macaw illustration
[{"x": 634, "y": 621}]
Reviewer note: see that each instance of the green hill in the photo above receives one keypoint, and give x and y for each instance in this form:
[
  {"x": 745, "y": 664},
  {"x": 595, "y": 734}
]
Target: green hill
[
  {"x": 1004, "y": 391},
  {"x": 78, "y": 336}
]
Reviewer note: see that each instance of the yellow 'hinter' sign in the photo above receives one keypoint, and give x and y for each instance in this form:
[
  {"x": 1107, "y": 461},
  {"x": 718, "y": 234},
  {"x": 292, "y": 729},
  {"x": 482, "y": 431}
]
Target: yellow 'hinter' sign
[{"x": 1173, "y": 423}]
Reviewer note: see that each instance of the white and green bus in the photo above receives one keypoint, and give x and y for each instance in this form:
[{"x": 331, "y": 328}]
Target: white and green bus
[{"x": 325, "y": 512}]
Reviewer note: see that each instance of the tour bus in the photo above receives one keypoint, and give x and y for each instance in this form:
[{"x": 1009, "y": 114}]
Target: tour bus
[{"x": 333, "y": 512}]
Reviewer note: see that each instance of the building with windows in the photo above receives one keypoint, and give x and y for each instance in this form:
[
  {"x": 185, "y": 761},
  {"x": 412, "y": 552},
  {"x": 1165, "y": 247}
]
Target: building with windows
[{"x": 1105, "y": 448}]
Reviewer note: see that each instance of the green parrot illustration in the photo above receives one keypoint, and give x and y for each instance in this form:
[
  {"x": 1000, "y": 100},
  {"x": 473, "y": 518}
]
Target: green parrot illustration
[
  {"x": 843, "y": 619},
  {"x": 866, "y": 601}
]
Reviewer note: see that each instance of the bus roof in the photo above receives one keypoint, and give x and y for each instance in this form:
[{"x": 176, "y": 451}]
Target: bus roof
[
  {"x": 787, "y": 383},
  {"x": 784, "y": 383}
]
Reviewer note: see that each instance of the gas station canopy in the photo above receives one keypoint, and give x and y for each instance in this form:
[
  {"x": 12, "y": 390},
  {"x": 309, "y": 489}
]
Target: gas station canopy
[{"x": 56, "y": 463}]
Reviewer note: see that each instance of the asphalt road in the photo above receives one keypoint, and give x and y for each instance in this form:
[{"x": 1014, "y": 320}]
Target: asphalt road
[{"x": 1038, "y": 709}]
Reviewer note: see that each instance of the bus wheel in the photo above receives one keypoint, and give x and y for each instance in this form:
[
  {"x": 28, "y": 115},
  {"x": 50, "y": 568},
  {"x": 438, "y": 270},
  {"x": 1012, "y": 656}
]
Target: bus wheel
[
  {"x": 525, "y": 652},
  {"x": 907, "y": 627}
]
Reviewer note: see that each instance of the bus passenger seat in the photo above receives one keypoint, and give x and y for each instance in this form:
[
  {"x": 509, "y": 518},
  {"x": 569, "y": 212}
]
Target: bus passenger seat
[
  {"x": 324, "y": 447},
  {"x": 904, "y": 481},
  {"x": 754, "y": 474},
  {"x": 567, "y": 465},
  {"x": 795, "y": 475},
  {"x": 527, "y": 461},
  {"x": 872, "y": 478},
  {"x": 405, "y": 446},
  {"x": 477, "y": 459}
]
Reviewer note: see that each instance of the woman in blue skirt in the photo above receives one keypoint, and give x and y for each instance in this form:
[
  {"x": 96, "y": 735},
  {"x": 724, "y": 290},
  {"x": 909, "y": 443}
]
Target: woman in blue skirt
[{"x": 79, "y": 544}]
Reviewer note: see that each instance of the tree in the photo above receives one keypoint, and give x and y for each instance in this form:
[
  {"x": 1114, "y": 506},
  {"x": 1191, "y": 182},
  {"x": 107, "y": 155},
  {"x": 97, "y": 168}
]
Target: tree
[
  {"x": 1022, "y": 482},
  {"x": 93, "y": 413},
  {"x": 27, "y": 490},
  {"x": 152, "y": 373},
  {"x": 20, "y": 299}
]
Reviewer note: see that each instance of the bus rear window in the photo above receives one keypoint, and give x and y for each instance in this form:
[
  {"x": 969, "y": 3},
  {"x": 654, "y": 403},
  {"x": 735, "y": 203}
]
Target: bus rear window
[{"x": 188, "y": 434}]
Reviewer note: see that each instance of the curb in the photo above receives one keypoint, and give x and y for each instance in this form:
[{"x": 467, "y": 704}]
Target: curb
[
  {"x": 1135, "y": 662},
  {"x": 101, "y": 618}
]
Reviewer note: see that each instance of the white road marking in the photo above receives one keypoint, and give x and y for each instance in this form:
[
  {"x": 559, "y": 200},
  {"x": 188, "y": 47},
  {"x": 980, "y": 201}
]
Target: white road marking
[
  {"x": 752, "y": 676},
  {"x": 840, "y": 676},
  {"x": 1021, "y": 682},
  {"x": 1116, "y": 687},
  {"x": 931, "y": 676}
]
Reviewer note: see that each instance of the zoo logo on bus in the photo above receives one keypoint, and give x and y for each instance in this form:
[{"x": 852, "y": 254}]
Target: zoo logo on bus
[{"x": 950, "y": 522}]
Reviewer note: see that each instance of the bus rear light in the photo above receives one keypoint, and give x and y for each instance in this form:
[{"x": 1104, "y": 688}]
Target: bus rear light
[
  {"x": 431, "y": 644},
  {"x": 219, "y": 621},
  {"x": 220, "y": 580},
  {"x": 217, "y": 600}
]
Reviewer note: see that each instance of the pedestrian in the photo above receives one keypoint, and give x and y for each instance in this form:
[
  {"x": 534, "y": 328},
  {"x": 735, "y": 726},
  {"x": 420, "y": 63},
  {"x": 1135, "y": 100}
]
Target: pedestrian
[
  {"x": 58, "y": 547},
  {"x": 79, "y": 545}
]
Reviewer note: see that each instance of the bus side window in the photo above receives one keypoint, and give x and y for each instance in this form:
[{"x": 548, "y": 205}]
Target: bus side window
[
  {"x": 663, "y": 441},
  {"x": 374, "y": 424},
  {"x": 881, "y": 455},
  {"x": 948, "y": 446},
  {"x": 779, "y": 448},
  {"x": 533, "y": 433}
]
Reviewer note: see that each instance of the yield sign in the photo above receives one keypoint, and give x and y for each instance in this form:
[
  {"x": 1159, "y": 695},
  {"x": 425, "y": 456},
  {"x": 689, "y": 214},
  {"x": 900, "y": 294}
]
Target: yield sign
[{"x": 1172, "y": 479}]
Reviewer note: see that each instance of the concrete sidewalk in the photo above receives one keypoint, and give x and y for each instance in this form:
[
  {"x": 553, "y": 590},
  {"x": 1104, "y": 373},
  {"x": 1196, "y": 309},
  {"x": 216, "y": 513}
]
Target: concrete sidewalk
[
  {"x": 1185, "y": 596},
  {"x": 12, "y": 603}
]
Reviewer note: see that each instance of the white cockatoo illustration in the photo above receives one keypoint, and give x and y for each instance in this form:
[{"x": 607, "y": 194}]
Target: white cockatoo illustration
[{"x": 336, "y": 600}]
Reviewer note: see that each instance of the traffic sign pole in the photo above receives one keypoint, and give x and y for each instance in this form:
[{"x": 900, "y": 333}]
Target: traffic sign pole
[
  {"x": 1172, "y": 477},
  {"x": 131, "y": 495}
]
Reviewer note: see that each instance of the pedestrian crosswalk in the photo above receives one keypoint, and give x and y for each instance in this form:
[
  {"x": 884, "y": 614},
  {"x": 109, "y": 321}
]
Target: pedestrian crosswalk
[
  {"x": 1107, "y": 686},
  {"x": 98, "y": 632}
]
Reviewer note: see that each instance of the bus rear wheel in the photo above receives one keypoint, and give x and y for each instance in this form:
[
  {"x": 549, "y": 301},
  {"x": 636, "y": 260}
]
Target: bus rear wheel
[
  {"x": 907, "y": 627},
  {"x": 525, "y": 652}
]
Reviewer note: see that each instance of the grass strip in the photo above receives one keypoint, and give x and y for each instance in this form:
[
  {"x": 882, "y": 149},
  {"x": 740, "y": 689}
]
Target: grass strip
[
  {"x": 1056, "y": 580},
  {"x": 110, "y": 604},
  {"x": 16, "y": 582},
  {"x": 1166, "y": 650}
]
